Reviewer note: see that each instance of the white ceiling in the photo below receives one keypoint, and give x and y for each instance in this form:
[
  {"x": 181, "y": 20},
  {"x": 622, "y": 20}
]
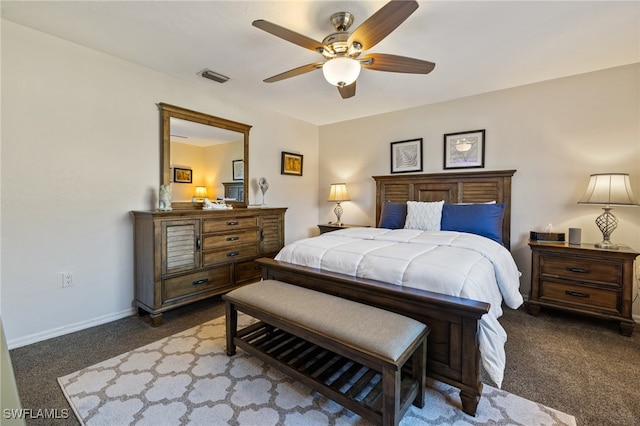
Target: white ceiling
[{"x": 478, "y": 46}]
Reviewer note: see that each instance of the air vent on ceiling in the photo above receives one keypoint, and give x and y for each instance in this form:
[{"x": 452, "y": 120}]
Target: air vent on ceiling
[{"x": 211, "y": 75}]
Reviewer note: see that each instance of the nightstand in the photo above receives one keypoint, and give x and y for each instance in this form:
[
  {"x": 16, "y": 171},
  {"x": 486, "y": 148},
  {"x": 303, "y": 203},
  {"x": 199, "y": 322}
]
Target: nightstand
[
  {"x": 583, "y": 279},
  {"x": 328, "y": 227}
]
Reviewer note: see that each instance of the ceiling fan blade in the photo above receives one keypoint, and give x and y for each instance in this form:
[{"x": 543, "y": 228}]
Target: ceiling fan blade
[
  {"x": 382, "y": 23},
  {"x": 288, "y": 35},
  {"x": 395, "y": 63},
  {"x": 295, "y": 72},
  {"x": 347, "y": 91}
]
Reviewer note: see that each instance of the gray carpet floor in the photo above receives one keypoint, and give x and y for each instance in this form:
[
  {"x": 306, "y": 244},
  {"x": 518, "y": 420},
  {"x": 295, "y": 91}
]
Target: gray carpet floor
[{"x": 577, "y": 365}]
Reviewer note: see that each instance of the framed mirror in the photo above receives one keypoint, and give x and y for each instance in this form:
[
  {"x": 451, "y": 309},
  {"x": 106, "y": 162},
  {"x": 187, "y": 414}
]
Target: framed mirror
[{"x": 201, "y": 150}]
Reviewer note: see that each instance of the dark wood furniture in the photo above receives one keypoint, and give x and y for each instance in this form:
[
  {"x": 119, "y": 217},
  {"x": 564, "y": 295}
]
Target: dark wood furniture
[
  {"x": 454, "y": 352},
  {"x": 351, "y": 366},
  {"x": 583, "y": 279},
  {"x": 328, "y": 227},
  {"x": 182, "y": 256},
  {"x": 234, "y": 190}
]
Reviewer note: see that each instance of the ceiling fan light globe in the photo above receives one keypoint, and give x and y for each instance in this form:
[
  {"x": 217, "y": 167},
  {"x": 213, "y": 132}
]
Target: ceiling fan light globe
[{"x": 341, "y": 71}]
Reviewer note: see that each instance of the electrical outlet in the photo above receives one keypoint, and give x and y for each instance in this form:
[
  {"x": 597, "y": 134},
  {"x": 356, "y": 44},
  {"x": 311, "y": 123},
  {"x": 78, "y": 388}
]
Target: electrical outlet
[{"x": 67, "y": 279}]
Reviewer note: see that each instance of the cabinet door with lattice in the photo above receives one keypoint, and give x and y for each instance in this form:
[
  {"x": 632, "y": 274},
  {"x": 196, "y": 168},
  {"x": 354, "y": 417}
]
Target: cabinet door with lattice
[
  {"x": 180, "y": 245},
  {"x": 272, "y": 233}
]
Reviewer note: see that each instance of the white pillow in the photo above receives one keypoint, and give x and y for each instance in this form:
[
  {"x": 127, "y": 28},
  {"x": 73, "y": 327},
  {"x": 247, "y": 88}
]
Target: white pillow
[{"x": 424, "y": 216}]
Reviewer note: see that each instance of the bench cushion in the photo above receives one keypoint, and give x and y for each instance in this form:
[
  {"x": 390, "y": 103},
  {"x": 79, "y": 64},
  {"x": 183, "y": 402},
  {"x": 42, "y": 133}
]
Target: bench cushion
[{"x": 368, "y": 328}]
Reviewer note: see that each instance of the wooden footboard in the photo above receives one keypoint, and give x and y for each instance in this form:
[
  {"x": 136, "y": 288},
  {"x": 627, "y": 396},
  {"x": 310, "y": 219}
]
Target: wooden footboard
[{"x": 454, "y": 352}]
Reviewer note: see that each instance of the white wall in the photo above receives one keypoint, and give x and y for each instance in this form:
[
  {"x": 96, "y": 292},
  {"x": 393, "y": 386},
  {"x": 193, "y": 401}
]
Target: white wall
[
  {"x": 80, "y": 150},
  {"x": 555, "y": 133}
]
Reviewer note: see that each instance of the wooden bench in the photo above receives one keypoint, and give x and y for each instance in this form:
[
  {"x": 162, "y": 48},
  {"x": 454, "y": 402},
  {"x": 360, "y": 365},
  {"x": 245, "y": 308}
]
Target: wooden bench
[{"x": 369, "y": 360}]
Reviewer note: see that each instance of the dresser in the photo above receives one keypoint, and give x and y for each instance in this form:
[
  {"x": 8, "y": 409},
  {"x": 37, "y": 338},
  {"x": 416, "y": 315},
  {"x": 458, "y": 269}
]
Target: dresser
[
  {"x": 583, "y": 279},
  {"x": 183, "y": 256}
]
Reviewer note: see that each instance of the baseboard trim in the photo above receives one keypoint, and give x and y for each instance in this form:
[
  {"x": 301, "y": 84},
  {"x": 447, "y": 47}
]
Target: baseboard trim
[{"x": 71, "y": 328}]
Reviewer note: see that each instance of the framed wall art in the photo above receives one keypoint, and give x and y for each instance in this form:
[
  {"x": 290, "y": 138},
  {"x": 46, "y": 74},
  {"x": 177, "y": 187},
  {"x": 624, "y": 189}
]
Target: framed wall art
[
  {"x": 406, "y": 156},
  {"x": 182, "y": 175},
  {"x": 464, "y": 149},
  {"x": 291, "y": 164},
  {"x": 238, "y": 169}
]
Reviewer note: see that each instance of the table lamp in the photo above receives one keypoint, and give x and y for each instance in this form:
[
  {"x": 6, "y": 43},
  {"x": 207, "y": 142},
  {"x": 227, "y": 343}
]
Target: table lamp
[
  {"x": 338, "y": 194},
  {"x": 608, "y": 189},
  {"x": 201, "y": 194}
]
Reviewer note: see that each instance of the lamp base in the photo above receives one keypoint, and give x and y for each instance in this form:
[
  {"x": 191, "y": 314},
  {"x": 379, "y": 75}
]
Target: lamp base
[
  {"x": 607, "y": 223},
  {"x": 338, "y": 211},
  {"x": 608, "y": 245}
]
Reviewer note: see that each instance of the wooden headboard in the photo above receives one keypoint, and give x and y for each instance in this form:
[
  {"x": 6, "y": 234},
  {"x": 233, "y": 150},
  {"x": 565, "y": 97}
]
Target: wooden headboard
[{"x": 457, "y": 187}]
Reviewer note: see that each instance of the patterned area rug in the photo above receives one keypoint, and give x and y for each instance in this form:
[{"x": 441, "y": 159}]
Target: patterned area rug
[{"x": 187, "y": 379}]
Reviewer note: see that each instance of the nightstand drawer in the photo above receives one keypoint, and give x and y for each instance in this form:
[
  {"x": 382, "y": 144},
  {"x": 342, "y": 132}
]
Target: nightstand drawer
[
  {"x": 593, "y": 297},
  {"x": 582, "y": 269}
]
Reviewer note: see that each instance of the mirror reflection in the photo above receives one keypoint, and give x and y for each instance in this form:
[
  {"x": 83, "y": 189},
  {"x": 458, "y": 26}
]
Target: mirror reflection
[{"x": 204, "y": 156}]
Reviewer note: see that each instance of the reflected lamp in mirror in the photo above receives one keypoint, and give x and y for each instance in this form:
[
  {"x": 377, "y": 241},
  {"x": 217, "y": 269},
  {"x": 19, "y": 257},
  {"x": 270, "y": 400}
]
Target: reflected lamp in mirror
[
  {"x": 608, "y": 189},
  {"x": 338, "y": 194},
  {"x": 200, "y": 194}
]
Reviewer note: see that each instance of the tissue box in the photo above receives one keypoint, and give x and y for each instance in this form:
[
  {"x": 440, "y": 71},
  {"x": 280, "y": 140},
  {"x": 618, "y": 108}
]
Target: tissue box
[{"x": 556, "y": 237}]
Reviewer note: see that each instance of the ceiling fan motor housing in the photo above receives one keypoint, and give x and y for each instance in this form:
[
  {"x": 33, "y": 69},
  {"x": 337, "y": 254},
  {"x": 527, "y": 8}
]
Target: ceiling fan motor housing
[{"x": 336, "y": 44}]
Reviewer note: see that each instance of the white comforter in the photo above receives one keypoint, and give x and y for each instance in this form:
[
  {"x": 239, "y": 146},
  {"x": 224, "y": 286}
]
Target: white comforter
[{"x": 447, "y": 262}]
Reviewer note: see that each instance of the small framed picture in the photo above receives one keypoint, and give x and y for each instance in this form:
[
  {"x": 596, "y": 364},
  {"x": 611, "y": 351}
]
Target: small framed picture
[
  {"x": 182, "y": 175},
  {"x": 238, "y": 169},
  {"x": 291, "y": 164},
  {"x": 406, "y": 156},
  {"x": 464, "y": 149}
]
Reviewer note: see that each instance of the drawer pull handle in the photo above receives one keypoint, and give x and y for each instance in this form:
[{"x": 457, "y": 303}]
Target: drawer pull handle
[
  {"x": 262, "y": 235},
  {"x": 198, "y": 244},
  {"x": 576, "y": 294},
  {"x": 233, "y": 238},
  {"x": 232, "y": 223},
  {"x": 257, "y": 267},
  {"x": 233, "y": 253},
  {"x": 579, "y": 270},
  {"x": 200, "y": 282}
]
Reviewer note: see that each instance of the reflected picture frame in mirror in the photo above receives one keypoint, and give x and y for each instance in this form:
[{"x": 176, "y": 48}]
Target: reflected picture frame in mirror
[{"x": 169, "y": 113}]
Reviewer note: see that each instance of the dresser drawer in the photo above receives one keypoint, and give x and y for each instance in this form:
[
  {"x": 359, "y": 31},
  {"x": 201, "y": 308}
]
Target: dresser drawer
[
  {"x": 196, "y": 283},
  {"x": 248, "y": 271},
  {"x": 581, "y": 269},
  {"x": 575, "y": 294},
  {"x": 229, "y": 254},
  {"x": 229, "y": 239},
  {"x": 228, "y": 224}
]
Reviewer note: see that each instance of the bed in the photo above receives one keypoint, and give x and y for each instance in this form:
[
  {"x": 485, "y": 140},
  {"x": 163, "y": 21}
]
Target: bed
[{"x": 460, "y": 322}]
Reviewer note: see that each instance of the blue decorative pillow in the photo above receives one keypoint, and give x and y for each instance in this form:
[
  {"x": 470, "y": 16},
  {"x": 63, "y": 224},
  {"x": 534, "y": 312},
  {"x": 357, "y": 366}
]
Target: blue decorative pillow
[
  {"x": 479, "y": 219},
  {"x": 393, "y": 215}
]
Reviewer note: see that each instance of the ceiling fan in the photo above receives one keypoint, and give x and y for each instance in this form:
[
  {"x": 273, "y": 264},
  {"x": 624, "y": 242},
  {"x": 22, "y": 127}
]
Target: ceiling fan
[{"x": 342, "y": 49}]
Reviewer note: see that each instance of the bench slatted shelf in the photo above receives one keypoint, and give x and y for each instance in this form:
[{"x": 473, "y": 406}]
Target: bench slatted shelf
[{"x": 379, "y": 389}]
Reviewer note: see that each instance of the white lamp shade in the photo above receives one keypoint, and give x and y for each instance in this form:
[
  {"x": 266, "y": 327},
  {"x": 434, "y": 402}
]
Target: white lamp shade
[
  {"x": 341, "y": 71},
  {"x": 338, "y": 192},
  {"x": 201, "y": 192},
  {"x": 609, "y": 189}
]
